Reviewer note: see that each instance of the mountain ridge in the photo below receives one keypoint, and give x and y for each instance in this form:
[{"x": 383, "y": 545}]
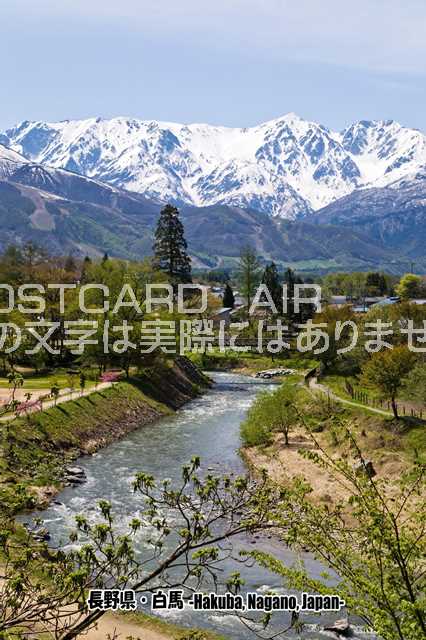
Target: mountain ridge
[
  {"x": 69, "y": 213},
  {"x": 287, "y": 167}
]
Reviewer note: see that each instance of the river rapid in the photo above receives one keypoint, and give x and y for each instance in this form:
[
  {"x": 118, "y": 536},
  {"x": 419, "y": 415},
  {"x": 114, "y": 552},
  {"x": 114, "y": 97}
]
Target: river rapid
[{"x": 209, "y": 427}]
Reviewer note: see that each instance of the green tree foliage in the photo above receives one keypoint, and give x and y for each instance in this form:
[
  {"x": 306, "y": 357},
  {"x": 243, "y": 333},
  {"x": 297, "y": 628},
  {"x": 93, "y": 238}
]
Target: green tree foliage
[
  {"x": 54, "y": 392},
  {"x": 170, "y": 247},
  {"x": 190, "y": 525},
  {"x": 272, "y": 412},
  {"x": 415, "y": 383},
  {"x": 386, "y": 371},
  {"x": 248, "y": 273},
  {"x": 12, "y": 265},
  {"x": 271, "y": 279},
  {"x": 410, "y": 286},
  {"x": 339, "y": 331},
  {"x": 357, "y": 284},
  {"x": 228, "y": 296},
  {"x": 70, "y": 264},
  {"x": 86, "y": 265},
  {"x": 373, "y": 541},
  {"x": 376, "y": 284}
]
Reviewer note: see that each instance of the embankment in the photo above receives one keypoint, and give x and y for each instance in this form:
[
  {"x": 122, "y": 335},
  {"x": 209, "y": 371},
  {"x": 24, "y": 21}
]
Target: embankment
[{"x": 36, "y": 449}]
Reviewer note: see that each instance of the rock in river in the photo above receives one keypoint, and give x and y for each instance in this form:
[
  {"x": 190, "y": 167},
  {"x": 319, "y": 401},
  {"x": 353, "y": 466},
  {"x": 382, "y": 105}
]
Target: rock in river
[{"x": 341, "y": 628}]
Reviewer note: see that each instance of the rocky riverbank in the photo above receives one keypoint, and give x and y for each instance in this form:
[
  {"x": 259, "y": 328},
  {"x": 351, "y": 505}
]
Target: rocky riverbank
[{"x": 38, "y": 449}]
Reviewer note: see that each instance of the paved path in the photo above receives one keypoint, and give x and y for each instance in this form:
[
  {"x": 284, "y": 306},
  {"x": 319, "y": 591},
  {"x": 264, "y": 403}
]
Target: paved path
[
  {"x": 316, "y": 386},
  {"x": 64, "y": 397}
]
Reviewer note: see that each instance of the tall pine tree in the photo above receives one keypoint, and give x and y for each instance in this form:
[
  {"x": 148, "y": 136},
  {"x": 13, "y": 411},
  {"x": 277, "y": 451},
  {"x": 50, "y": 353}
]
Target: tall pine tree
[
  {"x": 170, "y": 248},
  {"x": 248, "y": 274},
  {"x": 228, "y": 297},
  {"x": 272, "y": 280}
]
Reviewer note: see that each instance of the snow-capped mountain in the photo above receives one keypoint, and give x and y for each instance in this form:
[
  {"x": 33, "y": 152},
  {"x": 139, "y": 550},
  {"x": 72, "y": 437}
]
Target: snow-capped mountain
[
  {"x": 10, "y": 161},
  {"x": 287, "y": 167}
]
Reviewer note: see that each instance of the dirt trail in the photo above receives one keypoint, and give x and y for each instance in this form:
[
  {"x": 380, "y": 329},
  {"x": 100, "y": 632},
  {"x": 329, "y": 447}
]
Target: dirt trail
[
  {"x": 110, "y": 624},
  {"x": 316, "y": 386}
]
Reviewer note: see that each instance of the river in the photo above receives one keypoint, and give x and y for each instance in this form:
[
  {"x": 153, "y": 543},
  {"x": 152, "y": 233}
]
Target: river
[{"x": 208, "y": 427}]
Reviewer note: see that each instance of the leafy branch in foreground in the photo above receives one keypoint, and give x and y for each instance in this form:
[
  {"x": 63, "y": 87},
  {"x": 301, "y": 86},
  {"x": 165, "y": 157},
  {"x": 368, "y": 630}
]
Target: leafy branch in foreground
[
  {"x": 186, "y": 531},
  {"x": 374, "y": 541}
]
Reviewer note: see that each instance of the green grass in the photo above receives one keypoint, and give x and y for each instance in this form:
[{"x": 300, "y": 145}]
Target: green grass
[
  {"x": 415, "y": 441},
  {"x": 337, "y": 383},
  {"x": 250, "y": 360},
  {"x": 45, "y": 381},
  {"x": 34, "y": 450}
]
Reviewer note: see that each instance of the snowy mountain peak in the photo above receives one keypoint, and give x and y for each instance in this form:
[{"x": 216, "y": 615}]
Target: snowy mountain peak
[
  {"x": 286, "y": 167},
  {"x": 9, "y": 161}
]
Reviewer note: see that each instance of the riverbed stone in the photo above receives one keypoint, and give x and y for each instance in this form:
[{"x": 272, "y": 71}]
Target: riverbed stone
[
  {"x": 41, "y": 535},
  {"x": 341, "y": 627},
  {"x": 75, "y": 479},
  {"x": 75, "y": 471}
]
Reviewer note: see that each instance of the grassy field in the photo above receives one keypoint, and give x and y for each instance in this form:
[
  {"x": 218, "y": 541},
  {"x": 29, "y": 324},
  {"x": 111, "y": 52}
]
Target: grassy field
[
  {"x": 33, "y": 380},
  {"x": 337, "y": 383}
]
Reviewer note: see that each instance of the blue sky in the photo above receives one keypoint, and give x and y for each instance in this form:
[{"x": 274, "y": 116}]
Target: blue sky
[{"x": 231, "y": 62}]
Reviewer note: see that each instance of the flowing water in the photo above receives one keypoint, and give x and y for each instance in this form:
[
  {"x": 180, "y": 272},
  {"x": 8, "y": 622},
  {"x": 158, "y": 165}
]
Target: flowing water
[{"x": 207, "y": 427}]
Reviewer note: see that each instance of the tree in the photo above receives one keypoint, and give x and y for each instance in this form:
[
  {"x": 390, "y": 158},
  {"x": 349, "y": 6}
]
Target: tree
[
  {"x": 375, "y": 283},
  {"x": 189, "y": 526},
  {"x": 272, "y": 281},
  {"x": 85, "y": 270},
  {"x": 373, "y": 541},
  {"x": 33, "y": 255},
  {"x": 82, "y": 382},
  {"x": 415, "y": 383},
  {"x": 410, "y": 286},
  {"x": 386, "y": 371},
  {"x": 54, "y": 392},
  {"x": 228, "y": 297},
  {"x": 70, "y": 265},
  {"x": 12, "y": 265},
  {"x": 248, "y": 273},
  {"x": 170, "y": 247},
  {"x": 271, "y": 412},
  {"x": 339, "y": 329}
]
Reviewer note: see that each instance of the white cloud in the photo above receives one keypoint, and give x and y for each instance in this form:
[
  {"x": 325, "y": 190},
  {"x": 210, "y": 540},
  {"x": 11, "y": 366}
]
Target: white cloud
[{"x": 382, "y": 35}]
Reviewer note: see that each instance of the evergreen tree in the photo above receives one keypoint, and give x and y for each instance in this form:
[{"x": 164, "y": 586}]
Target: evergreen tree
[
  {"x": 105, "y": 258},
  {"x": 383, "y": 285},
  {"x": 70, "y": 266},
  {"x": 84, "y": 270},
  {"x": 290, "y": 281},
  {"x": 170, "y": 248},
  {"x": 248, "y": 273},
  {"x": 228, "y": 297},
  {"x": 306, "y": 311},
  {"x": 376, "y": 283},
  {"x": 271, "y": 279},
  {"x": 12, "y": 265}
]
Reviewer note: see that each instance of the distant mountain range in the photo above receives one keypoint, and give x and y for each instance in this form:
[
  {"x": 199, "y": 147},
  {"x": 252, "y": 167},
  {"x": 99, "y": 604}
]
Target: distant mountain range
[
  {"x": 93, "y": 186},
  {"x": 286, "y": 167}
]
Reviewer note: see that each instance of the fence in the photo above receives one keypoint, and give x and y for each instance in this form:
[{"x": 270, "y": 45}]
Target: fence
[{"x": 380, "y": 403}]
